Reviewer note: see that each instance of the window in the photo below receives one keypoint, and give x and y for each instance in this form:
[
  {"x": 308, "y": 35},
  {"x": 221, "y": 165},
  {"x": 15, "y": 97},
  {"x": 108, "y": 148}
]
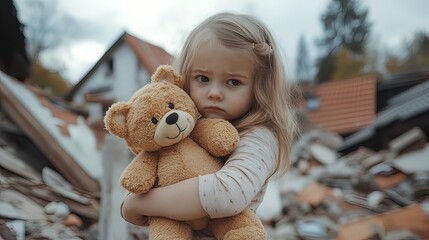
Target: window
[
  {"x": 312, "y": 102},
  {"x": 110, "y": 65}
]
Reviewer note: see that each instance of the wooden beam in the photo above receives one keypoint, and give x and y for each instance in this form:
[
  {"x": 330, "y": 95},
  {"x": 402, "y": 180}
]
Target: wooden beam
[{"x": 412, "y": 218}]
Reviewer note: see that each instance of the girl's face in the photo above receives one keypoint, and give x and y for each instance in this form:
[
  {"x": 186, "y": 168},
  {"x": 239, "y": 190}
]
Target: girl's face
[{"x": 222, "y": 79}]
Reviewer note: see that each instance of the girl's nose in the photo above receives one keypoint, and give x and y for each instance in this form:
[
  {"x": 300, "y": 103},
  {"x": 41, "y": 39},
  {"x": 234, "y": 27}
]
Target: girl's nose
[{"x": 215, "y": 93}]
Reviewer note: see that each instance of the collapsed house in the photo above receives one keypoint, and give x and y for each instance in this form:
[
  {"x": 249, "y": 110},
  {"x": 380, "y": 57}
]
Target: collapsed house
[
  {"x": 48, "y": 159},
  {"x": 368, "y": 182}
]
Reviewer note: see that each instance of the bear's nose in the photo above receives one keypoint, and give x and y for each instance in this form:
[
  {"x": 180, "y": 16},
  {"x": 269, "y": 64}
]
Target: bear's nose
[{"x": 172, "y": 118}]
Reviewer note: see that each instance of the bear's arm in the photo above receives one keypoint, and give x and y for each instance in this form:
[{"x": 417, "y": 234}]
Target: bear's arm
[
  {"x": 140, "y": 175},
  {"x": 219, "y": 137}
]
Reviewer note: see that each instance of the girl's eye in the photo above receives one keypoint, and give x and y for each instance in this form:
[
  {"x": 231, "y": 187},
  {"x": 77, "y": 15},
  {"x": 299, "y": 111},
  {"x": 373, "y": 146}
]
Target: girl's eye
[
  {"x": 234, "y": 82},
  {"x": 171, "y": 105},
  {"x": 154, "y": 121},
  {"x": 202, "y": 78}
]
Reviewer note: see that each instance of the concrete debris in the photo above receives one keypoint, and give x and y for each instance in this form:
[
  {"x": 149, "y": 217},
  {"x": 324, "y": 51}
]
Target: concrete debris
[{"x": 362, "y": 195}]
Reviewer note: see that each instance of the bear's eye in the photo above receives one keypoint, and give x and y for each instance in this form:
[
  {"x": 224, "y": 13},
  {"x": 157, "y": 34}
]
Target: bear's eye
[
  {"x": 171, "y": 105},
  {"x": 154, "y": 121}
]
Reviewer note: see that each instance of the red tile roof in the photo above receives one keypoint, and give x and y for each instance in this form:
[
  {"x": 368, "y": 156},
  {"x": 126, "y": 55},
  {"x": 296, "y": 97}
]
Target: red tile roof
[
  {"x": 149, "y": 55},
  {"x": 345, "y": 106},
  {"x": 66, "y": 117}
]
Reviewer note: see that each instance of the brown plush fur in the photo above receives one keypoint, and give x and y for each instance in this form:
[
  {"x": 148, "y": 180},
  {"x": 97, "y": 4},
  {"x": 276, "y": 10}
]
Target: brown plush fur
[{"x": 149, "y": 122}]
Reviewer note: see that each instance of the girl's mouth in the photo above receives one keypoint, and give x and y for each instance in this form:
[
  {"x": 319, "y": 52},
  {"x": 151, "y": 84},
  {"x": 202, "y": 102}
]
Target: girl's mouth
[{"x": 214, "y": 108}]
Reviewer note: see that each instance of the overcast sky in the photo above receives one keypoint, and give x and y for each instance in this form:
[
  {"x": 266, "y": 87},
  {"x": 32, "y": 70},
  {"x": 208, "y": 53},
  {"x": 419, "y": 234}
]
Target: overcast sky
[{"x": 166, "y": 23}]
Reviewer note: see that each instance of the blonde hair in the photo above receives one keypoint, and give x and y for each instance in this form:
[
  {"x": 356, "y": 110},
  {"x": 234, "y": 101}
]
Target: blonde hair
[{"x": 272, "y": 107}]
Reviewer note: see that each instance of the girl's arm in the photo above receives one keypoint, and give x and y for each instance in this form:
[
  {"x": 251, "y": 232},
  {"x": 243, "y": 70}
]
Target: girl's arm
[
  {"x": 178, "y": 201},
  {"x": 242, "y": 181},
  {"x": 221, "y": 194}
]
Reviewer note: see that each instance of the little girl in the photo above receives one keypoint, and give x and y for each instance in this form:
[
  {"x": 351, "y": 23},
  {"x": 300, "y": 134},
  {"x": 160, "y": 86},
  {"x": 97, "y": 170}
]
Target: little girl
[{"x": 233, "y": 70}]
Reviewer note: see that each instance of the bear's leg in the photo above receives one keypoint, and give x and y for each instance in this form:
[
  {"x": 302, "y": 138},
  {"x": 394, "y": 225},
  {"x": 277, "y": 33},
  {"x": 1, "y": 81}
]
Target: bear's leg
[
  {"x": 168, "y": 229},
  {"x": 245, "y": 225}
]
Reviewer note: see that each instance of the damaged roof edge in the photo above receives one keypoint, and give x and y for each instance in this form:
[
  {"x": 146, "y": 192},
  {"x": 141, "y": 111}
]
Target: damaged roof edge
[{"x": 53, "y": 150}]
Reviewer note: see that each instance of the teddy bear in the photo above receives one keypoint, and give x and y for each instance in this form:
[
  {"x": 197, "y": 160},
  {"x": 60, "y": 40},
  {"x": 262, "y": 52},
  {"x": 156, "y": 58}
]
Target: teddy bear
[{"x": 162, "y": 127}]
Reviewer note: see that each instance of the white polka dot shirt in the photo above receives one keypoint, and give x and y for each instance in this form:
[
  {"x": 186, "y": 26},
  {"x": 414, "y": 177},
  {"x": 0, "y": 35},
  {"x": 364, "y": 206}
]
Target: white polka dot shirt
[{"x": 243, "y": 179}]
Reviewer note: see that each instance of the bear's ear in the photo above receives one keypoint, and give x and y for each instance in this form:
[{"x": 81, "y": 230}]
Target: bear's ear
[
  {"x": 167, "y": 73},
  {"x": 115, "y": 119}
]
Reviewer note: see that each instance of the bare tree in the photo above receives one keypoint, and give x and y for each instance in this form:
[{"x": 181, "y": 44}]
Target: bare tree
[{"x": 45, "y": 28}]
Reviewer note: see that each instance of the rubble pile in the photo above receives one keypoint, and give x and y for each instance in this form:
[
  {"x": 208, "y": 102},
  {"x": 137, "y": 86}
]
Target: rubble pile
[
  {"x": 41, "y": 206},
  {"x": 362, "y": 195}
]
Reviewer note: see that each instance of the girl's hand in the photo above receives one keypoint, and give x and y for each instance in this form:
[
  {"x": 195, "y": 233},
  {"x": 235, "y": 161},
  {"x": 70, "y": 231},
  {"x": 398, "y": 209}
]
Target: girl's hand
[{"x": 129, "y": 211}]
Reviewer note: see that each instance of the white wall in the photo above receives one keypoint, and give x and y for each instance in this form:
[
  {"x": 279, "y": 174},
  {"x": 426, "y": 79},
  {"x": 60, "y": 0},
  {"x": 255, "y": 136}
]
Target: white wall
[
  {"x": 128, "y": 76},
  {"x": 126, "y": 73}
]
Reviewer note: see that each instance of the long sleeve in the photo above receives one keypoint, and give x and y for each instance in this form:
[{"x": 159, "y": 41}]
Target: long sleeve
[{"x": 243, "y": 179}]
